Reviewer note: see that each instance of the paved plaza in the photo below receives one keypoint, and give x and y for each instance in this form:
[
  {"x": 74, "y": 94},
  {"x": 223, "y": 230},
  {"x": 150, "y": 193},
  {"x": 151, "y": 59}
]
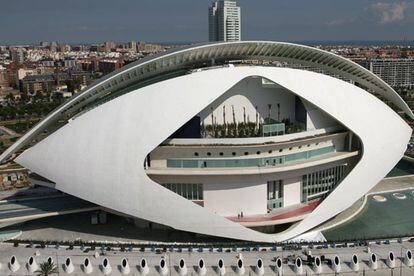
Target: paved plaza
[{"x": 191, "y": 259}]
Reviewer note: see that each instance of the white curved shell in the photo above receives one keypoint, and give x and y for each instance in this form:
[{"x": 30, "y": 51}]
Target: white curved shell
[{"x": 99, "y": 156}]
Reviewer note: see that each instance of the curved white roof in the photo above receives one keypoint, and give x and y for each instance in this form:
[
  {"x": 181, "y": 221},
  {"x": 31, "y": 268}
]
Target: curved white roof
[
  {"x": 99, "y": 156},
  {"x": 200, "y": 55}
]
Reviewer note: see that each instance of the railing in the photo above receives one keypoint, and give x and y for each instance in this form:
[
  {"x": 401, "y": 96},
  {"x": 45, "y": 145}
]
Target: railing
[{"x": 256, "y": 162}]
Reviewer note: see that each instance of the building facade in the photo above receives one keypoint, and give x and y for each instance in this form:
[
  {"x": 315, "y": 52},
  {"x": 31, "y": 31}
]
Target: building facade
[
  {"x": 224, "y": 21},
  {"x": 109, "y": 65},
  {"x": 33, "y": 84},
  {"x": 17, "y": 55},
  {"x": 396, "y": 72}
]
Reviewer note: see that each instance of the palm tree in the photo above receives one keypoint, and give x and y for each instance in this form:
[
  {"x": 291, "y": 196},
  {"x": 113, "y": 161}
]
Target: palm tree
[{"x": 46, "y": 269}]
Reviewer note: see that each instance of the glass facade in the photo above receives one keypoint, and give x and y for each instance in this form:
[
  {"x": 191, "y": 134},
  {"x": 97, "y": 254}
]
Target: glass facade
[
  {"x": 254, "y": 162},
  {"x": 273, "y": 129},
  {"x": 274, "y": 194},
  {"x": 319, "y": 183},
  {"x": 191, "y": 191}
]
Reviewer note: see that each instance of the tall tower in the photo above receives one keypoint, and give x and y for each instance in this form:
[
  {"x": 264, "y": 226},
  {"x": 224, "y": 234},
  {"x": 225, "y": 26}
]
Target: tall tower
[{"x": 224, "y": 21}]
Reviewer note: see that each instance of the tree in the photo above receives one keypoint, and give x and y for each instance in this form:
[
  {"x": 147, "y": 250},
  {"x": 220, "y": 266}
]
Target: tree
[
  {"x": 10, "y": 99},
  {"x": 46, "y": 269}
]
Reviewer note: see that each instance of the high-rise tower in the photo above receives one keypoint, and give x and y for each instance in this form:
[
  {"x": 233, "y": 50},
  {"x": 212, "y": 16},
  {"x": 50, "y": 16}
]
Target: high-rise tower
[{"x": 224, "y": 21}]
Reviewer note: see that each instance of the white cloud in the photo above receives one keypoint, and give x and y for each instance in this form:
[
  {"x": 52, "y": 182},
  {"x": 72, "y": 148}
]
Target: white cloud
[
  {"x": 340, "y": 22},
  {"x": 392, "y": 12}
]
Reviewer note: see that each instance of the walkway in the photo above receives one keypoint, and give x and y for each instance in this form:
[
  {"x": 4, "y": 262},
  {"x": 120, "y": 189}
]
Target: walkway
[
  {"x": 8, "y": 131},
  {"x": 17, "y": 210},
  {"x": 275, "y": 217}
]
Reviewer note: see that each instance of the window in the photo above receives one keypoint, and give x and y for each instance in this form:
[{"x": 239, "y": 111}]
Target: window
[
  {"x": 258, "y": 152},
  {"x": 275, "y": 189},
  {"x": 317, "y": 184},
  {"x": 196, "y": 153},
  {"x": 208, "y": 153},
  {"x": 221, "y": 154},
  {"x": 246, "y": 153},
  {"x": 274, "y": 194},
  {"x": 233, "y": 153}
]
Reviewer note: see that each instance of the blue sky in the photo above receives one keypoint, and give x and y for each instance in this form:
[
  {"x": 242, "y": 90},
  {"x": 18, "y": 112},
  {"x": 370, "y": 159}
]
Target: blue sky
[{"x": 73, "y": 21}]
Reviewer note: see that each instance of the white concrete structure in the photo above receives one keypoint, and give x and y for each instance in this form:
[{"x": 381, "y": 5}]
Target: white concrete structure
[
  {"x": 354, "y": 264},
  {"x": 373, "y": 261},
  {"x": 125, "y": 269},
  {"x": 87, "y": 266},
  {"x": 317, "y": 265},
  {"x": 408, "y": 258},
  {"x": 118, "y": 151},
  {"x": 32, "y": 265},
  {"x": 224, "y": 21},
  {"x": 182, "y": 268},
  {"x": 221, "y": 267},
  {"x": 144, "y": 269},
  {"x": 68, "y": 266},
  {"x": 390, "y": 260},
  {"x": 298, "y": 266},
  {"x": 336, "y": 264},
  {"x": 14, "y": 264},
  {"x": 162, "y": 267}
]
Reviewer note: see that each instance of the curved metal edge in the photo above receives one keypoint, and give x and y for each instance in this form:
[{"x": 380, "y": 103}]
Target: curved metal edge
[{"x": 56, "y": 114}]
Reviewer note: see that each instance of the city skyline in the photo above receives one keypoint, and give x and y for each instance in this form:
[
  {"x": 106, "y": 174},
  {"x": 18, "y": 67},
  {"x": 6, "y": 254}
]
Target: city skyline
[{"x": 187, "y": 21}]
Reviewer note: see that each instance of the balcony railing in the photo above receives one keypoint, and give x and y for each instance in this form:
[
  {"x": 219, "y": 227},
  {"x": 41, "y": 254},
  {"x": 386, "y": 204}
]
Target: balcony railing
[{"x": 255, "y": 162}]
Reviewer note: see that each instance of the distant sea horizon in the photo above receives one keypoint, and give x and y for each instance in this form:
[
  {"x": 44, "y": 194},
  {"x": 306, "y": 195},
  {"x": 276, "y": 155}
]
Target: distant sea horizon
[
  {"x": 315, "y": 42},
  {"x": 304, "y": 42}
]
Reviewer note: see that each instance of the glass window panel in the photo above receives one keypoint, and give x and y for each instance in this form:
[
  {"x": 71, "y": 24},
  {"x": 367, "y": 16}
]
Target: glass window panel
[
  {"x": 200, "y": 191},
  {"x": 184, "y": 191},
  {"x": 192, "y": 193}
]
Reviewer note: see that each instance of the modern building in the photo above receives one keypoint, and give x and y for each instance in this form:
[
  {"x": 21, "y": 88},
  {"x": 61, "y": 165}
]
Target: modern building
[
  {"x": 109, "y": 46},
  {"x": 4, "y": 77},
  {"x": 109, "y": 65},
  {"x": 33, "y": 84},
  {"x": 396, "y": 72},
  {"x": 17, "y": 55},
  {"x": 224, "y": 21},
  {"x": 132, "y": 45},
  {"x": 69, "y": 63},
  {"x": 201, "y": 140}
]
